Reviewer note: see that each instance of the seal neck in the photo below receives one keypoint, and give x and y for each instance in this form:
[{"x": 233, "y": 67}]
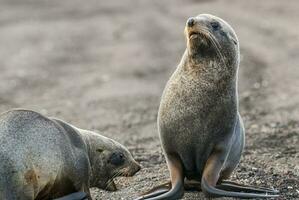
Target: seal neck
[
  {"x": 213, "y": 70},
  {"x": 98, "y": 146},
  {"x": 88, "y": 141}
]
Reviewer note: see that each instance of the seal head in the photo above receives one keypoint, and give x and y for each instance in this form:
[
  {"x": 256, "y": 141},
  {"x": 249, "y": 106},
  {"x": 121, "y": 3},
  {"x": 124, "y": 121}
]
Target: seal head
[
  {"x": 109, "y": 159},
  {"x": 211, "y": 38}
]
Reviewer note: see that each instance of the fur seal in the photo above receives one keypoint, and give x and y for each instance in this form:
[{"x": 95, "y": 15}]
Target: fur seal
[
  {"x": 200, "y": 127},
  {"x": 47, "y": 158}
]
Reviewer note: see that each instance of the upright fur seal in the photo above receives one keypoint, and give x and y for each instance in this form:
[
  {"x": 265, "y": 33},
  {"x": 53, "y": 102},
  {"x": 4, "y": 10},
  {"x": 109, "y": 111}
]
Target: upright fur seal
[
  {"x": 200, "y": 127},
  {"x": 46, "y": 158}
]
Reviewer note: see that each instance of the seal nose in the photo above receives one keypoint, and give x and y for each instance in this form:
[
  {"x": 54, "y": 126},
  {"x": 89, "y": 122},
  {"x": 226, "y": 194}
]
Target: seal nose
[{"x": 190, "y": 22}]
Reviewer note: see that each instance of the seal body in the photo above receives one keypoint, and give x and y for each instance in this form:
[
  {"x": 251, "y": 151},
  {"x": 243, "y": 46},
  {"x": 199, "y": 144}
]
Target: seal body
[
  {"x": 43, "y": 158},
  {"x": 196, "y": 113},
  {"x": 199, "y": 105},
  {"x": 200, "y": 127}
]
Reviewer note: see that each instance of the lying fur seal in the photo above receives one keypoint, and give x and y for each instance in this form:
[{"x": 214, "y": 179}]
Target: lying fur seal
[
  {"x": 46, "y": 158},
  {"x": 200, "y": 127}
]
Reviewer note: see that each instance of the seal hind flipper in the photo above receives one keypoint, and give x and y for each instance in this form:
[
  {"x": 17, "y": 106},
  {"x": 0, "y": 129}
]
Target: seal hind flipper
[{"x": 74, "y": 196}]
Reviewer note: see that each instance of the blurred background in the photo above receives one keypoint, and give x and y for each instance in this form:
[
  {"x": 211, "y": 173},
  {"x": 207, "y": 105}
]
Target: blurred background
[{"x": 102, "y": 65}]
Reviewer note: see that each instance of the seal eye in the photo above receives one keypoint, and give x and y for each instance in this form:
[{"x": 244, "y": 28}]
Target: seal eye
[
  {"x": 100, "y": 150},
  {"x": 215, "y": 25},
  {"x": 117, "y": 159}
]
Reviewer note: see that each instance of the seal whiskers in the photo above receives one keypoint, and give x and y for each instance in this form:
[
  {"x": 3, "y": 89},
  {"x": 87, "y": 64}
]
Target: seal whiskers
[{"x": 215, "y": 43}]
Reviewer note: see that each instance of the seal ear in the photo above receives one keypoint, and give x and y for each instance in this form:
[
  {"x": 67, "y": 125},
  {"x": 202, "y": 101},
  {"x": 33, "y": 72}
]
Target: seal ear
[
  {"x": 99, "y": 150},
  {"x": 230, "y": 36},
  {"x": 233, "y": 39},
  {"x": 235, "y": 42}
]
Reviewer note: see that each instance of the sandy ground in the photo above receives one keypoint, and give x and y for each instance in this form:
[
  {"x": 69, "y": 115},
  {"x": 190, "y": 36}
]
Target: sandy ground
[{"x": 102, "y": 65}]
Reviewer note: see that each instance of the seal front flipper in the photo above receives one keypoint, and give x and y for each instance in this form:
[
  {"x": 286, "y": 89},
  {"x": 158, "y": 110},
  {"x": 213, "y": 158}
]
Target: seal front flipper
[
  {"x": 189, "y": 185},
  {"x": 211, "y": 175},
  {"x": 233, "y": 186},
  {"x": 239, "y": 184},
  {"x": 194, "y": 185},
  {"x": 156, "y": 191},
  {"x": 212, "y": 191},
  {"x": 177, "y": 182},
  {"x": 74, "y": 196}
]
